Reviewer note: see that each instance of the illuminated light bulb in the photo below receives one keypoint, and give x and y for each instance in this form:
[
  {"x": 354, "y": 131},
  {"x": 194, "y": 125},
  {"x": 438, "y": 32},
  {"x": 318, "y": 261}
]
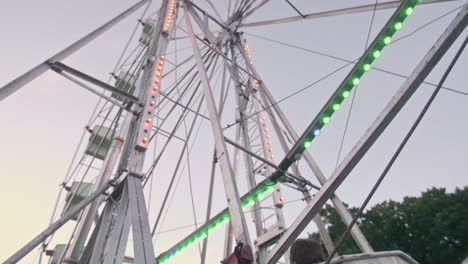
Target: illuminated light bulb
[
  {"x": 326, "y": 119},
  {"x": 376, "y": 54},
  {"x": 271, "y": 189},
  {"x": 270, "y": 150},
  {"x": 387, "y": 40},
  {"x": 144, "y": 140},
  {"x": 336, "y": 107},
  {"x": 204, "y": 236},
  {"x": 251, "y": 203},
  {"x": 281, "y": 200},
  {"x": 316, "y": 132},
  {"x": 148, "y": 122},
  {"x": 356, "y": 81},
  {"x": 409, "y": 11},
  {"x": 307, "y": 144},
  {"x": 366, "y": 67},
  {"x": 345, "y": 94},
  {"x": 398, "y": 25},
  {"x": 260, "y": 196}
]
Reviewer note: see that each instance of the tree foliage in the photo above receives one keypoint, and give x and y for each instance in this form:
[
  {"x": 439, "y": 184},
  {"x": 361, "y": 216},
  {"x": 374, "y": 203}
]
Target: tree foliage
[{"x": 432, "y": 228}]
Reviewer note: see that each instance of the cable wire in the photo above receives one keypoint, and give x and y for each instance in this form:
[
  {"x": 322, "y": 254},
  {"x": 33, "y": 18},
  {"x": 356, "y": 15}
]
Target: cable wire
[{"x": 350, "y": 112}]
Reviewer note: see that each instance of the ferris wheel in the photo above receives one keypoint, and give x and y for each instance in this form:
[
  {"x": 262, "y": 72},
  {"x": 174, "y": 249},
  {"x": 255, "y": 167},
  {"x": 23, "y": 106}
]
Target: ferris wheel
[{"x": 186, "y": 130}]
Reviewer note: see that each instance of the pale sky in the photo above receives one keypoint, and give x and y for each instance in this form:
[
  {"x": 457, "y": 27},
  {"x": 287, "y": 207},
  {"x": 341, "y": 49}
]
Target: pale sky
[{"x": 42, "y": 123}]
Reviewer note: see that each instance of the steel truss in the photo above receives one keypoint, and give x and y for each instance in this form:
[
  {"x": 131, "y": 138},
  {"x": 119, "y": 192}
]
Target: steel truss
[{"x": 125, "y": 207}]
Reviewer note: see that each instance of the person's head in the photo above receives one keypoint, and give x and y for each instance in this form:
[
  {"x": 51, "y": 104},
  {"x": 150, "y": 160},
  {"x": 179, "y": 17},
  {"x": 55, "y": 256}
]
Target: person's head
[{"x": 306, "y": 251}]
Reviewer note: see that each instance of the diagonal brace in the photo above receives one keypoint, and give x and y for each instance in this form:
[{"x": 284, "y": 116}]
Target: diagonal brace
[{"x": 59, "y": 67}]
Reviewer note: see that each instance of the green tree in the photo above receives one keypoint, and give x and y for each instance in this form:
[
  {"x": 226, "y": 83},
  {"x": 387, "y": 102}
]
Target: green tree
[{"x": 432, "y": 228}]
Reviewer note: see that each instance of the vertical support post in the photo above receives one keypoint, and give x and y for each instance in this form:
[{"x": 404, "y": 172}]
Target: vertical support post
[
  {"x": 241, "y": 108},
  {"x": 277, "y": 193},
  {"x": 104, "y": 223},
  {"x": 210, "y": 201},
  {"x": 116, "y": 242},
  {"x": 141, "y": 232},
  {"x": 237, "y": 217}
]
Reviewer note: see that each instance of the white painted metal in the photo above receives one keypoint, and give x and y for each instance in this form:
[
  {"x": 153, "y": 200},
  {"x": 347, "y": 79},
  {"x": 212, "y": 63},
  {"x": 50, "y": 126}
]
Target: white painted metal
[{"x": 232, "y": 194}]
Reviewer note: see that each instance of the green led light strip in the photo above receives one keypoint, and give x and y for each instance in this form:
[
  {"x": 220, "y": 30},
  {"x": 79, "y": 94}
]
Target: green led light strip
[
  {"x": 374, "y": 51},
  {"x": 222, "y": 217}
]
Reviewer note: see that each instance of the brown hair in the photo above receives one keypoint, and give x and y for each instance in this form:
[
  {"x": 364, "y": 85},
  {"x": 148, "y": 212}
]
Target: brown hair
[{"x": 306, "y": 251}]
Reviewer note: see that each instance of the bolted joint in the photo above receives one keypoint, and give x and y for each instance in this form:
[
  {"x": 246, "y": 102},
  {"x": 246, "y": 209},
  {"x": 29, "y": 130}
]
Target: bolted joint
[{"x": 136, "y": 175}]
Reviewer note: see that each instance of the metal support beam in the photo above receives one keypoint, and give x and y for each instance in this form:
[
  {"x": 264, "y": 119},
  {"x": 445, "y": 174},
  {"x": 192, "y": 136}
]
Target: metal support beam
[
  {"x": 57, "y": 224},
  {"x": 141, "y": 232},
  {"x": 338, "y": 12},
  {"x": 209, "y": 205},
  {"x": 114, "y": 247},
  {"x": 402, "y": 96},
  {"x": 237, "y": 217},
  {"x": 96, "y": 240},
  {"x": 108, "y": 99},
  {"x": 30, "y": 75},
  {"x": 248, "y": 164},
  {"x": 59, "y": 67},
  {"x": 106, "y": 171}
]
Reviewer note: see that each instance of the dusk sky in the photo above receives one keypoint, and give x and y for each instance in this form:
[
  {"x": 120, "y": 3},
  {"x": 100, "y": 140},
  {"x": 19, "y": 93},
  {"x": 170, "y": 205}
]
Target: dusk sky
[{"x": 43, "y": 122}]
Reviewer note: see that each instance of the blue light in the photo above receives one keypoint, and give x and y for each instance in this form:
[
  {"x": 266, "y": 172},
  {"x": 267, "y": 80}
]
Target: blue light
[
  {"x": 316, "y": 132},
  {"x": 172, "y": 254}
]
